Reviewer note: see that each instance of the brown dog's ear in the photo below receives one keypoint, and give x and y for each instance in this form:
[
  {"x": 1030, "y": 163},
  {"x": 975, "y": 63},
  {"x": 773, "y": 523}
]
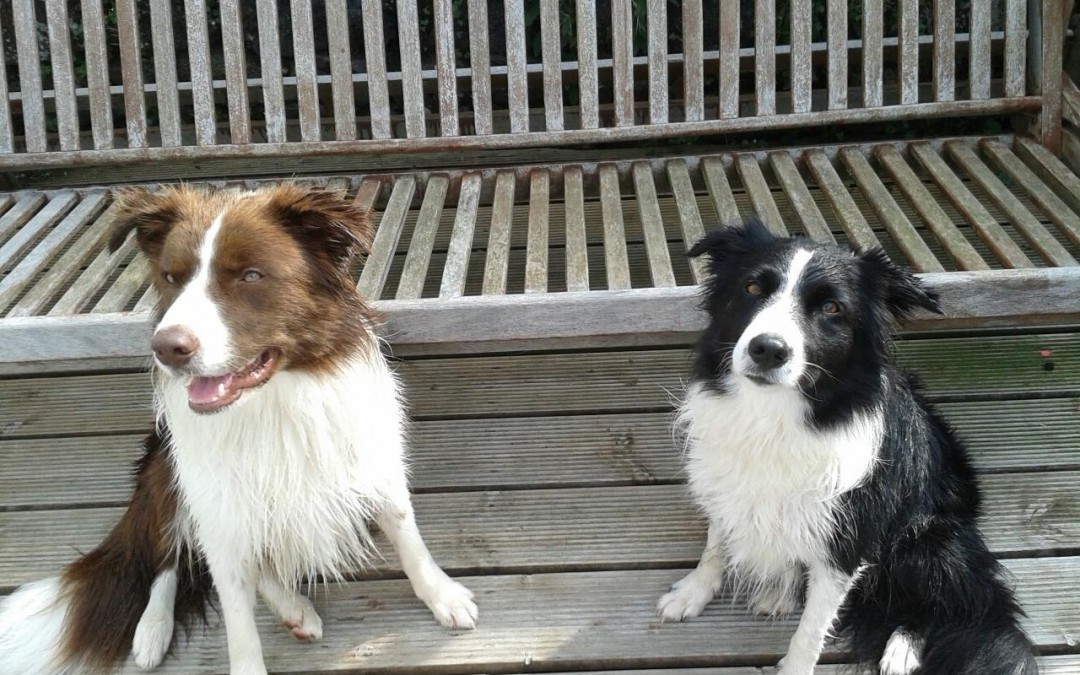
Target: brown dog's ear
[
  {"x": 324, "y": 222},
  {"x": 150, "y": 214}
]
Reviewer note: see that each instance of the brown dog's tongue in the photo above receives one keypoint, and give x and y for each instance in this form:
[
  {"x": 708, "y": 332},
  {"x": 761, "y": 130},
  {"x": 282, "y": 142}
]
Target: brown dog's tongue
[{"x": 209, "y": 390}]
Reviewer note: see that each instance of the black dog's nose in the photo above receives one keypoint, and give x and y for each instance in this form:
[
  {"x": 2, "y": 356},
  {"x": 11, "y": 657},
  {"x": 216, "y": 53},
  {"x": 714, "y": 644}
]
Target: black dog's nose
[{"x": 769, "y": 351}]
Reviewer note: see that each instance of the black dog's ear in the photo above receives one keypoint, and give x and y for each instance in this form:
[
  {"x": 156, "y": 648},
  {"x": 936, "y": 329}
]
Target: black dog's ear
[
  {"x": 725, "y": 241},
  {"x": 324, "y": 221},
  {"x": 902, "y": 292},
  {"x": 150, "y": 214}
]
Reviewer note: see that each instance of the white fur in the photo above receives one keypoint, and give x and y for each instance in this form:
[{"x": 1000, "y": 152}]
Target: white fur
[
  {"x": 31, "y": 619},
  {"x": 901, "y": 655},
  {"x": 154, "y": 632},
  {"x": 825, "y": 592}
]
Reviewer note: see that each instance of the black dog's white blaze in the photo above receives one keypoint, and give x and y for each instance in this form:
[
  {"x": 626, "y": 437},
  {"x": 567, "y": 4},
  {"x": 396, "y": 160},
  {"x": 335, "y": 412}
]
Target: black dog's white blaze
[{"x": 812, "y": 456}]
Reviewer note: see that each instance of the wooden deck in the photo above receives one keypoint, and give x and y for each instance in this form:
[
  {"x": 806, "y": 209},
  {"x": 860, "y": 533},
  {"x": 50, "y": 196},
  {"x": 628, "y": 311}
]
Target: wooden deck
[{"x": 550, "y": 482}]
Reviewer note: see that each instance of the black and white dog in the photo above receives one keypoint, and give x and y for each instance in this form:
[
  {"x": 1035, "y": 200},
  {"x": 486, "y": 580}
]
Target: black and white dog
[{"x": 812, "y": 456}]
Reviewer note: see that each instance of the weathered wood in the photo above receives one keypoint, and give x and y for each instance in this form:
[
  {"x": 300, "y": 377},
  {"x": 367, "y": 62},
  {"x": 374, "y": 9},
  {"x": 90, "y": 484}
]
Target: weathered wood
[
  {"x": 837, "y": 21},
  {"x": 7, "y": 138},
  {"x": 552, "y": 60},
  {"x": 658, "y": 70},
  {"x": 622, "y": 57},
  {"x": 120, "y": 294},
  {"x": 765, "y": 58},
  {"x": 270, "y": 70},
  {"x": 757, "y": 189},
  {"x": 480, "y": 64},
  {"x": 26, "y": 44},
  {"x": 801, "y": 201},
  {"x": 374, "y": 49},
  {"x": 67, "y": 114},
  {"x": 577, "y": 260},
  {"x": 909, "y": 51},
  {"x": 127, "y": 24},
  {"x": 873, "y": 66},
  {"x": 1050, "y": 169},
  {"x": 87, "y": 284},
  {"x": 21, "y": 242},
  {"x": 232, "y": 39},
  {"x": 851, "y": 219},
  {"x": 337, "y": 35},
  {"x": 979, "y": 51},
  {"x": 497, "y": 257},
  {"x": 723, "y": 201},
  {"x": 802, "y": 74},
  {"x": 615, "y": 260},
  {"x": 377, "y": 265},
  {"x": 446, "y": 68},
  {"x": 97, "y": 74},
  {"x": 307, "y": 88},
  {"x": 23, "y": 210},
  {"x": 1066, "y": 219},
  {"x": 729, "y": 58},
  {"x": 516, "y": 78},
  {"x": 460, "y": 248},
  {"x": 201, "y": 79},
  {"x": 689, "y": 216},
  {"x": 165, "y": 79},
  {"x": 945, "y": 50},
  {"x": 415, "y": 270},
  {"x": 536, "y": 256},
  {"x": 693, "y": 70},
  {"x": 652, "y": 225},
  {"x": 1015, "y": 48},
  {"x": 1047, "y": 47},
  {"x": 588, "y": 87}
]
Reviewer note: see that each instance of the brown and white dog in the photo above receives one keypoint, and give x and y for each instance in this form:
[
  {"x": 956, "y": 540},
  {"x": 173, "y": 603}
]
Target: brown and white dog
[{"x": 280, "y": 437}]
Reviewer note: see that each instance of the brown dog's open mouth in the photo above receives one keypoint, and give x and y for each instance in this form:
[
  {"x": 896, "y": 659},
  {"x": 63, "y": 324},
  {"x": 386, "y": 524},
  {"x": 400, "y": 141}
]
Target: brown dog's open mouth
[{"x": 212, "y": 393}]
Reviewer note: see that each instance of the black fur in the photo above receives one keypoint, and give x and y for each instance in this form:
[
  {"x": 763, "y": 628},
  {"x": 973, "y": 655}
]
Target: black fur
[{"x": 913, "y": 522}]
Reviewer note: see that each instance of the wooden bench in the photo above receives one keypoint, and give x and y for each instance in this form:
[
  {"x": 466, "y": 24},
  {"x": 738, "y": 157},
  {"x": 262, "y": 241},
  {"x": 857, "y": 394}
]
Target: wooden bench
[{"x": 537, "y": 176}]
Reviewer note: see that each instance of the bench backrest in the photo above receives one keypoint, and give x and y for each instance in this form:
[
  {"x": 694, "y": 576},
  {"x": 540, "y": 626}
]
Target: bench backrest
[{"x": 192, "y": 80}]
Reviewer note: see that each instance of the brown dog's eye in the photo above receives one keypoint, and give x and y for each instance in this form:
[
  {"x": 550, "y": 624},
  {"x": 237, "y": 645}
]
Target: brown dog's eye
[
  {"x": 753, "y": 288},
  {"x": 830, "y": 307},
  {"x": 251, "y": 275},
  {"x": 168, "y": 277}
]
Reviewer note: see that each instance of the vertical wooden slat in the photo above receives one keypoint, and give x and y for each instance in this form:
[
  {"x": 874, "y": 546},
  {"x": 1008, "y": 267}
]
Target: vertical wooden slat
[
  {"x": 693, "y": 68},
  {"x": 414, "y": 272},
  {"x": 232, "y": 39},
  {"x": 622, "y": 56},
  {"x": 377, "y": 265},
  {"x": 552, "y": 58},
  {"x": 516, "y": 78},
  {"x": 802, "y": 203},
  {"x": 587, "y": 81},
  {"x": 872, "y": 67},
  {"x": 480, "y": 63},
  {"x": 201, "y": 84},
  {"x": 458, "y": 253},
  {"x": 757, "y": 189},
  {"x": 536, "y": 246},
  {"x": 168, "y": 100},
  {"x": 270, "y": 71},
  {"x": 658, "y": 70},
  {"x": 945, "y": 50},
  {"x": 909, "y": 51},
  {"x": 652, "y": 226},
  {"x": 7, "y": 138},
  {"x": 689, "y": 216},
  {"x": 979, "y": 55},
  {"x": 836, "y": 193},
  {"x": 729, "y": 58},
  {"x": 127, "y": 28},
  {"x": 616, "y": 263},
  {"x": 727, "y": 211},
  {"x": 307, "y": 86},
  {"x": 67, "y": 114},
  {"x": 375, "y": 51},
  {"x": 838, "y": 56},
  {"x": 33, "y": 106},
  {"x": 577, "y": 253},
  {"x": 1015, "y": 48},
  {"x": 17, "y": 245},
  {"x": 497, "y": 259},
  {"x": 341, "y": 76},
  {"x": 765, "y": 56},
  {"x": 97, "y": 74},
  {"x": 802, "y": 74},
  {"x": 446, "y": 68},
  {"x": 1049, "y": 48}
]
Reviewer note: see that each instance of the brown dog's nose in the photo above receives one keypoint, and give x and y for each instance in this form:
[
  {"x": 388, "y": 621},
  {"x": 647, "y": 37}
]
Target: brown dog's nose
[{"x": 174, "y": 346}]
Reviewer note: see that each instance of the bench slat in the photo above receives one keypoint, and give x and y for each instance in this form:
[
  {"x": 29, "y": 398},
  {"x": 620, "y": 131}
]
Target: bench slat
[
  {"x": 377, "y": 265},
  {"x": 118, "y": 296},
  {"x": 536, "y": 252},
  {"x": 588, "y": 90},
  {"x": 168, "y": 98},
  {"x": 18, "y": 215},
  {"x": 723, "y": 201},
  {"x": 801, "y": 63},
  {"x": 446, "y": 68},
  {"x": 689, "y": 215},
  {"x": 873, "y": 65},
  {"x": 615, "y": 259},
  {"x": 552, "y": 61},
  {"x": 765, "y": 58},
  {"x": 480, "y": 64},
  {"x": 652, "y": 225},
  {"x": 757, "y": 189},
  {"x": 273, "y": 90},
  {"x": 909, "y": 51},
  {"x": 83, "y": 289},
  {"x": 127, "y": 28},
  {"x": 461, "y": 239},
  {"x": 693, "y": 68},
  {"x": 517, "y": 83},
  {"x": 7, "y": 139},
  {"x": 1015, "y": 48},
  {"x": 202, "y": 92},
  {"x": 852, "y": 220},
  {"x": 26, "y": 44},
  {"x": 729, "y": 58},
  {"x": 232, "y": 38},
  {"x": 577, "y": 254},
  {"x": 979, "y": 51},
  {"x": 497, "y": 259},
  {"x": 341, "y": 76},
  {"x": 307, "y": 86},
  {"x": 1065, "y": 218},
  {"x": 802, "y": 203},
  {"x": 837, "y": 24},
  {"x": 67, "y": 114},
  {"x": 1050, "y": 169},
  {"x": 97, "y": 74},
  {"x": 658, "y": 58},
  {"x": 21, "y": 242},
  {"x": 414, "y": 273},
  {"x": 944, "y": 87},
  {"x": 622, "y": 57},
  {"x": 374, "y": 49}
]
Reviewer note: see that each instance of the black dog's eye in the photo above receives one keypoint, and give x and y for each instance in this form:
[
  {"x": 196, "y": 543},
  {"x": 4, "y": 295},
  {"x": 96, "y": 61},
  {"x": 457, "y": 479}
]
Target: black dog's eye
[
  {"x": 830, "y": 307},
  {"x": 753, "y": 287}
]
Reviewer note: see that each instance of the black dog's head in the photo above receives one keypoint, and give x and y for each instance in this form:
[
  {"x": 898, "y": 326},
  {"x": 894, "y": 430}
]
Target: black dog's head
[{"x": 786, "y": 312}]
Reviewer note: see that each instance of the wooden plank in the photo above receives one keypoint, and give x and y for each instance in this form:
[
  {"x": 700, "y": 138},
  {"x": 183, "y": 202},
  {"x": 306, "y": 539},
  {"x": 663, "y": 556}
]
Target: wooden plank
[
  {"x": 415, "y": 270},
  {"x": 270, "y": 70},
  {"x": 588, "y": 87},
  {"x": 909, "y": 51},
  {"x": 918, "y": 255},
  {"x": 480, "y": 64},
  {"x": 97, "y": 74},
  {"x": 658, "y": 58},
  {"x": 552, "y": 61},
  {"x": 67, "y": 113},
  {"x": 516, "y": 78},
  {"x": 232, "y": 39},
  {"x": 202, "y": 92},
  {"x": 26, "y": 44},
  {"x": 802, "y": 203},
  {"x": 577, "y": 257},
  {"x": 1050, "y": 169},
  {"x": 979, "y": 51},
  {"x": 123, "y": 290},
  {"x": 966, "y": 203},
  {"x": 341, "y": 75},
  {"x": 1066, "y": 219},
  {"x": 42, "y": 254},
  {"x": 622, "y": 58},
  {"x": 757, "y": 189},
  {"x": 945, "y": 50},
  {"x": 375, "y": 50},
  {"x": 693, "y": 68},
  {"x": 536, "y": 256},
  {"x": 377, "y": 265},
  {"x": 23, "y": 210},
  {"x": 1048, "y": 665},
  {"x": 689, "y": 216},
  {"x": 1015, "y": 48},
  {"x": 729, "y": 58},
  {"x": 165, "y": 79},
  {"x": 127, "y": 28},
  {"x": 851, "y": 219},
  {"x": 7, "y": 138},
  {"x": 802, "y": 65},
  {"x": 497, "y": 258},
  {"x": 765, "y": 58},
  {"x": 873, "y": 64},
  {"x": 723, "y": 201},
  {"x": 615, "y": 259},
  {"x": 147, "y": 302},
  {"x": 837, "y": 50},
  {"x": 307, "y": 86},
  {"x": 946, "y": 232},
  {"x": 1048, "y": 47},
  {"x": 1021, "y": 218},
  {"x": 21, "y": 242},
  {"x": 652, "y": 225},
  {"x": 446, "y": 68},
  {"x": 83, "y": 289},
  {"x": 459, "y": 251}
]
